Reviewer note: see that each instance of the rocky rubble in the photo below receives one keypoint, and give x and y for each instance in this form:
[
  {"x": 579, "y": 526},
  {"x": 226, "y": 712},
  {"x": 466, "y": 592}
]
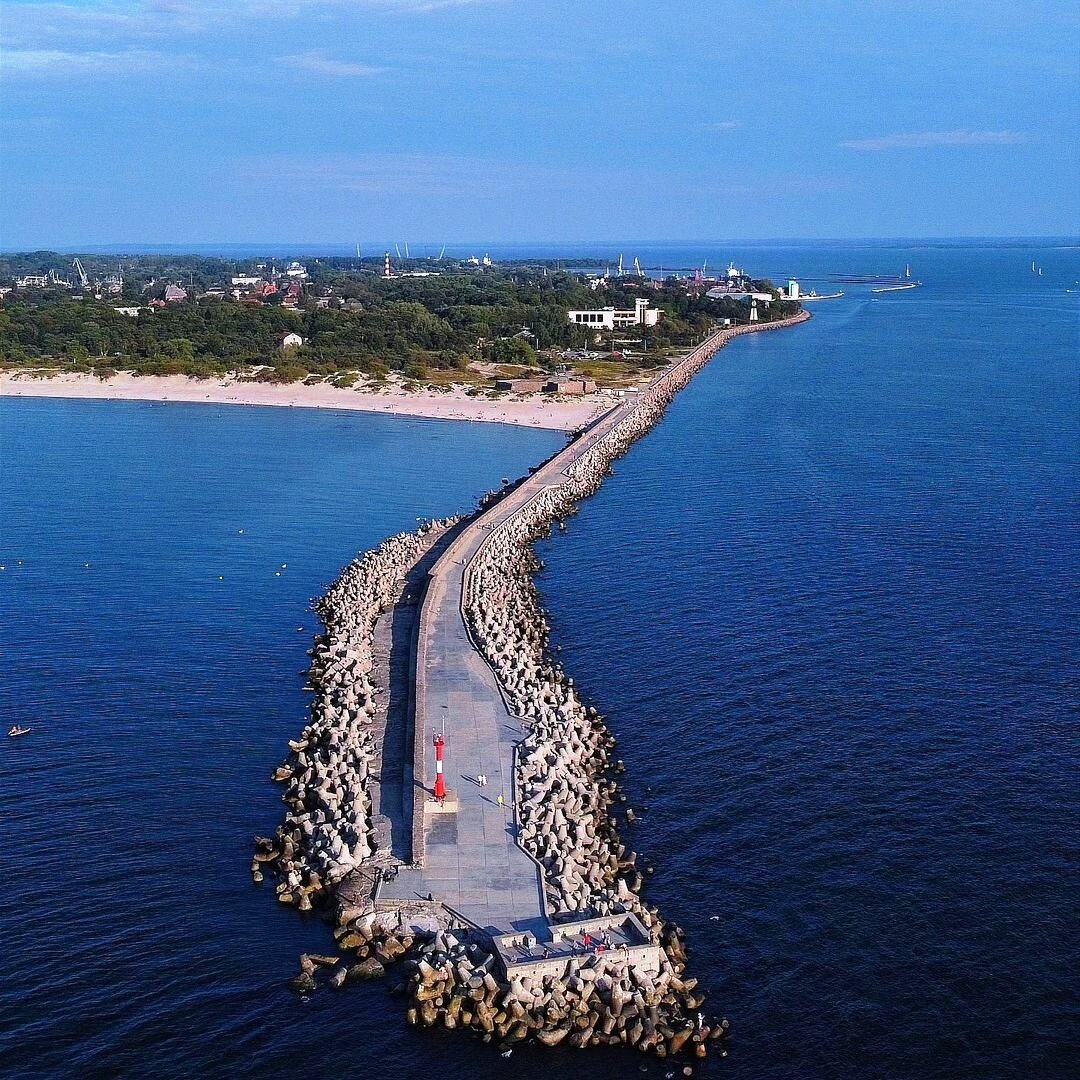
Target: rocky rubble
[
  {"x": 563, "y": 794},
  {"x": 327, "y": 831},
  {"x": 564, "y": 797},
  {"x": 452, "y": 980}
]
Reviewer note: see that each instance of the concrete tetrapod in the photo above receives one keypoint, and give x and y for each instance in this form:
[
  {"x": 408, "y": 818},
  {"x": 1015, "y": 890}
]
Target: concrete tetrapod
[{"x": 327, "y": 830}]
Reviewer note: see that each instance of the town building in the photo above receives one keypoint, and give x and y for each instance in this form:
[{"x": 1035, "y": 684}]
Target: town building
[
  {"x": 722, "y": 292},
  {"x": 611, "y": 318},
  {"x": 291, "y": 341},
  {"x": 520, "y": 386},
  {"x": 32, "y": 281},
  {"x": 575, "y": 387},
  {"x": 246, "y": 280},
  {"x": 174, "y": 294},
  {"x": 296, "y": 270}
]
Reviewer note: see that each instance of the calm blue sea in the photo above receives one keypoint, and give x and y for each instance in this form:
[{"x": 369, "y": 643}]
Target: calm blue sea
[{"x": 829, "y": 606}]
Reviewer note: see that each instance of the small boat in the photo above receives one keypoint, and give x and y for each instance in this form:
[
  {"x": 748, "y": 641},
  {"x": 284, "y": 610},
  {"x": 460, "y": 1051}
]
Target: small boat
[{"x": 16, "y": 731}]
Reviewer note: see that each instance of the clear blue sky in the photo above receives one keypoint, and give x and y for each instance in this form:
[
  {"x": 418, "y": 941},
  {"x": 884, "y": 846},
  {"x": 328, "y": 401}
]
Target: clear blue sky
[{"x": 184, "y": 121}]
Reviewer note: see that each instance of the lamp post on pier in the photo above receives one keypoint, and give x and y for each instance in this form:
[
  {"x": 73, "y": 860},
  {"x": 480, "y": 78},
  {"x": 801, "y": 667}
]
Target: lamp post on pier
[{"x": 440, "y": 783}]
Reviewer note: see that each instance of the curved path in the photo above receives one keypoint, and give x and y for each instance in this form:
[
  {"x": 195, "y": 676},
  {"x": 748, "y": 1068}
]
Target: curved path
[{"x": 466, "y": 856}]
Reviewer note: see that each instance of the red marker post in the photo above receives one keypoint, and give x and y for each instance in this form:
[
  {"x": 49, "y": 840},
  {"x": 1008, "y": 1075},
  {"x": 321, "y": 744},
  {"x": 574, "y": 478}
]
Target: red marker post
[{"x": 440, "y": 782}]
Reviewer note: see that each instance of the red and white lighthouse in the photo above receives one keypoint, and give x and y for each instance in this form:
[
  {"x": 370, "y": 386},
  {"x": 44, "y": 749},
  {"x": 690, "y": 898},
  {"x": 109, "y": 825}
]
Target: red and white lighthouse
[{"x": 440, "y": 782}]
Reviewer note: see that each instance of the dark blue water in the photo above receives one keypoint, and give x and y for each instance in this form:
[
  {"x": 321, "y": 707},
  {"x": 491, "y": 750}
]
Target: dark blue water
[
  {"x": 829, "y": 605},
  {"x": 162, "y": 683}
]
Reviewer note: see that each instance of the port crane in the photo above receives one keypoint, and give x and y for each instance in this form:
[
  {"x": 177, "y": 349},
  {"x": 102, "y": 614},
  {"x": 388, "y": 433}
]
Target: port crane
[
  {"x": 77, "y": 266},
  {"x": 637, "y": 268}
]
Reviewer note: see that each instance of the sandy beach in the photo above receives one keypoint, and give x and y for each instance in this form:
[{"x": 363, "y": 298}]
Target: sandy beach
[{"x": 560, "y": 414}]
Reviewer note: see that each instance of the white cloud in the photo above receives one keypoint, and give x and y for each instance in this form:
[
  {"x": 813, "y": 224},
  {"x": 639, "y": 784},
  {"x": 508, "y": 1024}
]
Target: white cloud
[
  {"x": 55, "y": 63},
  {"x": 321, "y": 64},
  {"x": 920, "y": 140},
  {"x": 35, "y": 24}
]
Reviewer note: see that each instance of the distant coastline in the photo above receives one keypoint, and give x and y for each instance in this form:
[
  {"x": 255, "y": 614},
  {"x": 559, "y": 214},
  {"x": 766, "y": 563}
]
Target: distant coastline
[{"x": 554, "y": 413}]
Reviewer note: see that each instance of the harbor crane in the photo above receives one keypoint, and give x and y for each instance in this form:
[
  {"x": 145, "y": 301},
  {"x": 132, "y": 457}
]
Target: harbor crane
[
  {"x": 77, "y": 266},
  {"x": 637, "y": 268}
]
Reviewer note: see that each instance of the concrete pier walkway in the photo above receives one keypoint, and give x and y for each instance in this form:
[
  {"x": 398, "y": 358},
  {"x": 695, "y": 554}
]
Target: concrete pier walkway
[
  {"x": 467, "y": 856},
  {"x": 471, "y": 862},
  {"x": 464, "y": 855}
]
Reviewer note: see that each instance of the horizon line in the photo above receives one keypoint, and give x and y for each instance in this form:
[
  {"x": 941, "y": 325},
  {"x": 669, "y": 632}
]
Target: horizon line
[{"x": 75, "y": 247}]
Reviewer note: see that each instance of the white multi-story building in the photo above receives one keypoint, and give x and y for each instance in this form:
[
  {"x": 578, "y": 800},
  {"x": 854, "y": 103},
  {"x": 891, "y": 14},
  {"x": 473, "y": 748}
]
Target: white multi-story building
[
  {"x": 611, "y": 318},
  {"x": 32, "y": 281}
]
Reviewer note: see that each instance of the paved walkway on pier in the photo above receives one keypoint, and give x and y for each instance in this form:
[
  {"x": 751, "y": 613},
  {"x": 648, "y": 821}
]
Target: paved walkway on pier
[{"x": 470, "y": 860}]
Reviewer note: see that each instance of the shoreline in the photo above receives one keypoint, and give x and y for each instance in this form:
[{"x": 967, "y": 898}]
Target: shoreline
[{"x": 555, "y": 414}]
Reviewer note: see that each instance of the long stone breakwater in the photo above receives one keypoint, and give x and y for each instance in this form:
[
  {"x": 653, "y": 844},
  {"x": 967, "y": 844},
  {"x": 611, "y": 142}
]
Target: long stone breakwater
[
  {"x": 329, "y": 829},
  {"x": 603, "y": 967},
  {"x": 563, "y": 797}
]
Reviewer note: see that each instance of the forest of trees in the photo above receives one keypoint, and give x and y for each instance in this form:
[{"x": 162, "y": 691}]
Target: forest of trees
[{"x": 414, "y": 325}]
